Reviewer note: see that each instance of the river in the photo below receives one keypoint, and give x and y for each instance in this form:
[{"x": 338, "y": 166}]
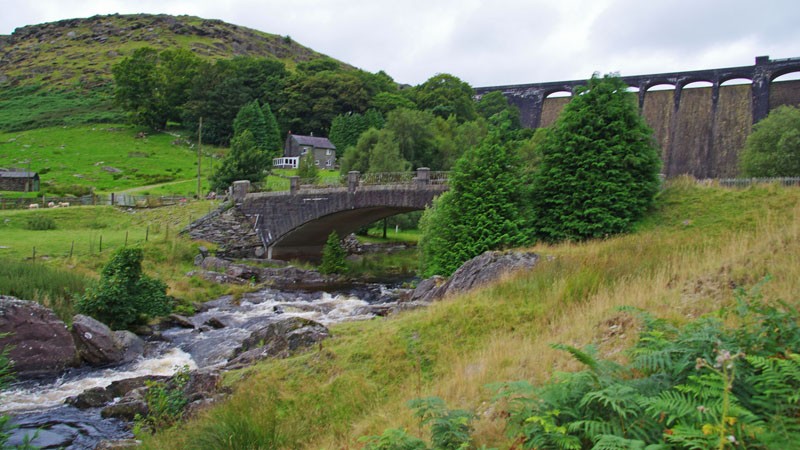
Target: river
[{"x": 37, "y": 407}]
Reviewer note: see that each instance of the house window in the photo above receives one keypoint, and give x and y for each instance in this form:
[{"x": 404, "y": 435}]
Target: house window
[
  {"x": 328, "y": 152},
  {"x": 329, "y": 163},
  {"x": 305, "y": 150},
  {"x": 316, "y": 162}
]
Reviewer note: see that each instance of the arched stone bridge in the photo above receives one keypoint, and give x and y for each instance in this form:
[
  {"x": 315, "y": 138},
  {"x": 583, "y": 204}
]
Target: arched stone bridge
[{"x": 297, "y": 223}]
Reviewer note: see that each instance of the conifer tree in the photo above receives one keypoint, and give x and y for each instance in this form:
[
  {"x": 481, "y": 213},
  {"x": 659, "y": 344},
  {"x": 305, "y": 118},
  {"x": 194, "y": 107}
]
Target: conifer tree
[
  {"x": 250, "y": 117},
  {"x": 481, "y": 211},
  {"x": 274, "y": 143},
  {"x": 599, "y": 167},
  {"x": 245, "y": 161},
  {"x": 333, "y": 255}
]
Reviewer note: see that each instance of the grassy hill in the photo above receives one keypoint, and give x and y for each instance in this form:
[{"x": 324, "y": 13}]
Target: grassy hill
[
  {"x": 683, "y": 262},
  {"x": 59, "y": 73}
]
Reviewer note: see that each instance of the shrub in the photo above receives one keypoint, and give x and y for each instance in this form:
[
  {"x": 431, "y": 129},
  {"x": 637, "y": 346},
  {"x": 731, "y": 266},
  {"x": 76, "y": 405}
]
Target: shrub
[
  {"x": 124, "y": 296},
  {"x": 599, "y": 169},
  {"x": 40, "y": 223},
  {"x": 333, "y": 255},
  {"x": 165, "y": 402}
]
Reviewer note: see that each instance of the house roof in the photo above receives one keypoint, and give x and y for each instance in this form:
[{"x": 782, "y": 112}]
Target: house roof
[
  {"x": 14, "y": 174},
  {"x": 314, "y": 141}
]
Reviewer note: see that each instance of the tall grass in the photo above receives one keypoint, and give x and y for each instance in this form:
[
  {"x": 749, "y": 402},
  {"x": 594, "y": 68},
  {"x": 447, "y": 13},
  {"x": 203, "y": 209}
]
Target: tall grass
[
  {"x": 51, "y": 286},
  {"x": 682, "y": 262}
]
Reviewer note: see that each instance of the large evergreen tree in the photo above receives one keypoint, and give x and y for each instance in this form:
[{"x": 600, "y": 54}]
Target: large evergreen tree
[
  {"x": 481, "y": 211},
  {"x": 274, "y": 145},
  {"x": 250, "y": 117},
  {"x": 599, "y": 167}
]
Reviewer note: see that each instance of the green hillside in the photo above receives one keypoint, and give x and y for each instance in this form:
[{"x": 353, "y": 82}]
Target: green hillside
[
  {"x": 79, "y": 53},
  {"x": 684, "y": 262},
  {"x": 59, "y": 73},
  {"x": 104, "y": 157}
]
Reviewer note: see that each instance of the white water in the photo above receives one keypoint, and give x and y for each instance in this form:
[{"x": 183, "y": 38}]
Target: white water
[
  {"x": 27, "y": 398},
  {"x": 240, "y": 319}
]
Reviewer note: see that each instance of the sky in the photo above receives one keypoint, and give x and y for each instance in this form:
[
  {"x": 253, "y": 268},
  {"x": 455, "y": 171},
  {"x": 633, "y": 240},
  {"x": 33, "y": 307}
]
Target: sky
[{"x": 488, "y": 43}]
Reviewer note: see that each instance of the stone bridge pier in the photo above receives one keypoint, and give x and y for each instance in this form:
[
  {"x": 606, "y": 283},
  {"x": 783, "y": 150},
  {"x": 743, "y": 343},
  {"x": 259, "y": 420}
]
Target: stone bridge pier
[{"x": 296, "y": 224}]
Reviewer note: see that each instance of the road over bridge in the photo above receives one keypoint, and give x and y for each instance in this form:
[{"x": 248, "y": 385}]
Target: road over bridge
[{"x": 297, "y": 223}]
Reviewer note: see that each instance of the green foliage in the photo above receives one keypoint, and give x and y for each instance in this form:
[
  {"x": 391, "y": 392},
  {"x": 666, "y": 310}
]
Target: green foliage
[
  {"x": 393, "y": 439},
  {"x": 494, "y": 105},
  {"x": 31, "y": 107},
  {"x": 450, "y": 429},
  {"x": 152, "y": 86},
  {"x": 245, "y": 161},
  {"x": 445, "y": 95},
  {"x": 599, "y": 166},
  {"x": 53, "y": 287},
  {"x": 333, "y": 256},
  {"x": 703, "y": 386},
  {"x": 124, "y": 296},
  {"x": 415, "y": 133},
  {"x": 40, "y": 223},
  {"x": 385, "y": 155},
  {"x": 250, "y": 117},
  {"x": 357, "y": 157},
  {"x": 165, "y": 403},
  {"x": 221, "y": 89},
  {"x": 307, "y": 170},
  {"x": 773, "y": 148},
  {"x": 274, "y": 143},
  {"x": 347, "y": 128},
  {"x": 481, "y": 211}
]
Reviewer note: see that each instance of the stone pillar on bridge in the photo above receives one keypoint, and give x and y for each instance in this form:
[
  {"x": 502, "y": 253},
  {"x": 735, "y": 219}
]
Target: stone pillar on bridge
[
  {"x": 423, "y": 176},
  {"x": 240, "y": 190},
  {"x": 294, "y": 185},
  {"x": 352, "y": 180}
]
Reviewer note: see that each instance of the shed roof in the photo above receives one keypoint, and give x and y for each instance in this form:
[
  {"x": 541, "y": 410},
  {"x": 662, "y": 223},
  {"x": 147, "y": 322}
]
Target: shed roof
[
  {"x": 314, "y": 141},
  {"x": 15, "y": 174}
]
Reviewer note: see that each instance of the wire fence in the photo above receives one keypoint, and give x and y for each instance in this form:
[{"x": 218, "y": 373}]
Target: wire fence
[{"x": 746, "y": 182}]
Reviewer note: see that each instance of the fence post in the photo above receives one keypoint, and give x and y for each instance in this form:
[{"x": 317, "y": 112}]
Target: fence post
[
  {"x": 352, "y": 180},
  {"x": 240, "y": 189}
]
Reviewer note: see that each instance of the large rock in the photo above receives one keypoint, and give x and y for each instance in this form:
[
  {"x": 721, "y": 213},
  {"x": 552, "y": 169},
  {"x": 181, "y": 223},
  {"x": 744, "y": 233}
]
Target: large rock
[
  {"x": 278, "y": 339},
  {"x": 40, "y": 342},
  {"x": 98, "y": 345},
  {"x": 478, "y": 271}
]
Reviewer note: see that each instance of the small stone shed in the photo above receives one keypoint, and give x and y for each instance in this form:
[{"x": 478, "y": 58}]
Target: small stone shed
[
  {"x": 296, "y": 146},
  {"x": 19, "y": 181}
]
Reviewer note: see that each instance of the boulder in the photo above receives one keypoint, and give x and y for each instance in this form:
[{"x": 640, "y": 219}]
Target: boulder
[
  {"x": 98, "y": 345},
  {"x": 40, "y": 343},
  {"x": 278, "y": 339},
  {"x": 478, "y": 271}
]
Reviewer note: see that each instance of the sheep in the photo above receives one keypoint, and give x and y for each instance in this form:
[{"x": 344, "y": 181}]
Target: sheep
[
  {"x": 33, "y": 206},
  {"x": 51, "y": 205},
  {"x": 63, "y": 204}
]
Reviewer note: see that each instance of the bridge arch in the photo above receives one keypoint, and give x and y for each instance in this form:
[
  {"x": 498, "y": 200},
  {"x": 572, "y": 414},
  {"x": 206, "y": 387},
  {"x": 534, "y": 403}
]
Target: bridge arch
[{"x": 297, "y": 223}]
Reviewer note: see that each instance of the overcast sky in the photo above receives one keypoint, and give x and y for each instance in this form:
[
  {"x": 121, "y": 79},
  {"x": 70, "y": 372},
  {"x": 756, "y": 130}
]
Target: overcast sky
[{"x": 488, "y": 42}]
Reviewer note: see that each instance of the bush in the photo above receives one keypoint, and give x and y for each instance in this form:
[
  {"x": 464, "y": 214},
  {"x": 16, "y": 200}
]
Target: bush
[
  {"x": 333, "y": 255},
  {"x": 124, "y": 296},
  {"x": 599, "y": 169},
  {"x": 773, "y": 148},
  {"x": 40, "y": 223}
]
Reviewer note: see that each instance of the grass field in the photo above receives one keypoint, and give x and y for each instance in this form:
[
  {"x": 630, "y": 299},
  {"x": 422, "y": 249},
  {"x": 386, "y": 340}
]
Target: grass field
[{"x": 682, "y": 262}]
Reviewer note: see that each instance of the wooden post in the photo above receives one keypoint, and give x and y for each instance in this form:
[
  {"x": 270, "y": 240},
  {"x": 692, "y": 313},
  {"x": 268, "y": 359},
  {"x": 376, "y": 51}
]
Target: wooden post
[
  {"x": 34, "y": 254},
  {"x": 71, "y": 248},
  {"x": 101, "y": 244},
  {"x": 126, "y": 238},
  {"x": 147, "y": 233}
]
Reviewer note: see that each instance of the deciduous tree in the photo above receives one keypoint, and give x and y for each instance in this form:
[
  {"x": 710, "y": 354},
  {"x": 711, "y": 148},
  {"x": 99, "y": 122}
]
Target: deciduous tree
[{"x": 773, "y": 148}]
